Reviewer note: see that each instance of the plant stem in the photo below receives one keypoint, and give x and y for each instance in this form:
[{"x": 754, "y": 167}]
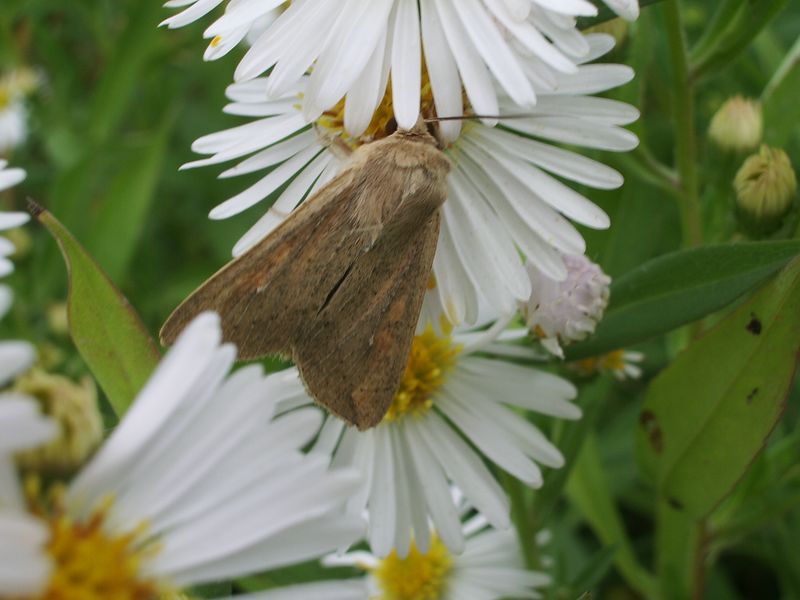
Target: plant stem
[
  {"x": 523, "y": 523},
  {"x": 683, "y": 113},
  {"x": 699, "y": 564}
]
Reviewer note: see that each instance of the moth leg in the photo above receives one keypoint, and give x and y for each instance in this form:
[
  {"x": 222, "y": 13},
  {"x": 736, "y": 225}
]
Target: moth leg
[{"x": 334, "y": 142}]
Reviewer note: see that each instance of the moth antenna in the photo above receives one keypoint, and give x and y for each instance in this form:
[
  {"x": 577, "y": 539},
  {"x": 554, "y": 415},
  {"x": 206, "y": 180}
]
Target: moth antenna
[{"x": 473, "y": 117}]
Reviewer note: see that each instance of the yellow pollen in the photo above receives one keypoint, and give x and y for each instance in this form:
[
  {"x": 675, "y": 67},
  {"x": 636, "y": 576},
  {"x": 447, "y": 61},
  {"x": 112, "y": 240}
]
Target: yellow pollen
[
  {"x": 430, "y": 360},
  {"x": 416, "y": 577},
  {"x": 89, "y": 563},
  {"x": 613, "y": 362},
  {"x": 216, "y": 41},
  {"x": 383, "y": 123}
]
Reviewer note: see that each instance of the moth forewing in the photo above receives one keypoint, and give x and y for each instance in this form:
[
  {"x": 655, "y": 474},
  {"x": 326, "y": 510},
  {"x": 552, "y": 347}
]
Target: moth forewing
[{"x": 338, "y": 286}]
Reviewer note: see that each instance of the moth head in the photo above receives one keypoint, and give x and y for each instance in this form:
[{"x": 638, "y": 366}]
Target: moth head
[{"x": 424, "y": 131}]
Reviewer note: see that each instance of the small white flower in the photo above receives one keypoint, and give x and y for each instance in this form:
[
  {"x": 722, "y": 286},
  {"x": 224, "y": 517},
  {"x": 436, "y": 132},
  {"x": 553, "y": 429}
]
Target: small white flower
[
  {"x": 199, "y": 482},
  {"x": 562, "y": 312},
  {"x": 490, "y": 568},
  {"x": 352, "y": 49},
  {"x": 23, "y": 563},
  {"x": 14, "y": 86},
  {"x": 15, "y": 356},
  {"x": 9, "y": 220},
  {"x": 622, "y": 364},
  {"x": 503, "y": 195},
  {"x": 448, "y": 394}
]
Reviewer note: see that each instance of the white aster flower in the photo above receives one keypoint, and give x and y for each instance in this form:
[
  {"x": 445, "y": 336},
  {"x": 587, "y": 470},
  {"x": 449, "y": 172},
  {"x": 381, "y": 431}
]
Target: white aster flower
[
  {"x": 14, "y": 86},
  {"x": 352, "y": 48},
  {"x": 449, "y": 394},
  {"x": 8, "y": 220},
  {"x": 562, "y": 312},
  {"x": 490, "y": 568},
  {"x": 23, "y": 563},
  {"x": 503, "y": 194},
  {"x": 198, "y": 483},
  {"x": 15, "y": 356}
]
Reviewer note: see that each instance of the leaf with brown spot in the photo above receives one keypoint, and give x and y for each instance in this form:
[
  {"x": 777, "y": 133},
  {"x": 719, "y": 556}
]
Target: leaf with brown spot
[{"x": 709, "y": 414}]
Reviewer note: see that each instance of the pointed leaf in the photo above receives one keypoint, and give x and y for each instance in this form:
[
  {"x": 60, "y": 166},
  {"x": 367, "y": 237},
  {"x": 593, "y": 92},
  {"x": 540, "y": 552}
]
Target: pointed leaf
[
  {"x": 106, "y": 329},
  {"x": 678, "y": 288}
]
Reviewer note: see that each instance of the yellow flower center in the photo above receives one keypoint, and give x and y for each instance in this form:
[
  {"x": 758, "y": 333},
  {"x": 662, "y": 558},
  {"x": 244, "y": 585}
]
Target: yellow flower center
[
  {"x": 430, "y": 360},
  {"x": 383, "y": 123},
  {"x": 88, "y": 562},
  {"x": 5, "y": 97},
  {"x": 416, "y": 577}
]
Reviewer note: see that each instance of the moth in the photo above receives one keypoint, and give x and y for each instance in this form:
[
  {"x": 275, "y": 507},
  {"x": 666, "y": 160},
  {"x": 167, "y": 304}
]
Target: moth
[{"x": 339, "y": 285}]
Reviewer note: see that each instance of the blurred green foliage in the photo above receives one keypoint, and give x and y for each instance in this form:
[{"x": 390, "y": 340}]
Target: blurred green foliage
[{"x": 121, "y": 102}]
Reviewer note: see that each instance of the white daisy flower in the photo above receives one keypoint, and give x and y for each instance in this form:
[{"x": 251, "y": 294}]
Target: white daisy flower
[
  {"x": 490, "y": 568},
  {"x": 353, "y": 48},
  {"x": 503, "y": 194},
  {"x": 15, "y": 356},
  {"x": 562, "y": 312},
  {"x": 14, "y": 86},
  {"x": 9, "y": 220},
  {"x": 627, "y": 9},
  {"x": 198, "y": 483},
  {"x": 449, "y": 394},
  {"x": 23, "y": 563}
]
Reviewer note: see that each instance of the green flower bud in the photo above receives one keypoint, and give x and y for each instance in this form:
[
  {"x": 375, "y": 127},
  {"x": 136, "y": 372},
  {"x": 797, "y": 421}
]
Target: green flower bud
[
  {"x": 57, "y": 318},
  {"x": 74, "y": 408},
  {"x": 738, "y": 125},
  {"x": 765, "y": 189}
]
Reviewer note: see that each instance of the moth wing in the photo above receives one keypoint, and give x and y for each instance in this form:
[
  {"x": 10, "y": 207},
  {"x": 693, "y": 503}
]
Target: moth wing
[
  {"x": 354, "y": 375},
  {"x": 263, "y": 297}
]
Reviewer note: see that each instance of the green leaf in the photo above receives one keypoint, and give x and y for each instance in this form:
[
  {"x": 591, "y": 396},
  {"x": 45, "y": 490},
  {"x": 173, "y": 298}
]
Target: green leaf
[
  {"x": 678, "y": 288},
  {"x": 780, "y": 99},
  {"x": 741, "y": 28},
  {"x": 117, "y": 227},
  {"x": 589, "y": 490},
  {"x": 108, "y": 333},
  {"x": 708, "y": 415}
]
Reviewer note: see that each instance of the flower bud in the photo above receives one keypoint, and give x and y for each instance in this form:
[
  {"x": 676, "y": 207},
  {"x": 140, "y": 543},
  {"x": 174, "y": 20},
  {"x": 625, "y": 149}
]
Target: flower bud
[
  {"x": 57, "y": 318},
  {"x": 738, "y": 125},
  {"x": 74, "y": 409},
  {"x": 562, "y": 312},
  {"x": 765, "y": 185}
]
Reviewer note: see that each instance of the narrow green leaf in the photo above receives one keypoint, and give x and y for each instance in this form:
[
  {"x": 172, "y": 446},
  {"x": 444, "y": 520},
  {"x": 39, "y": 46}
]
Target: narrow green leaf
[
  {"x": 678, "y": 288},
  {"x": 117, "y": 227},
  {"x": 106, "y": 329},
  {"x": 742, "y": 27},
  {"x": 709, "y": 414},
  {"x": 780, "y": 99},
  {"x": 589, "y": 490}
]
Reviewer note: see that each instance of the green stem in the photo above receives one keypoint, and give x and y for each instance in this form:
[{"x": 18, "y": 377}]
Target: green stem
[
  {"x": 683, "y": 113},
  {"x": 590, "y": 493},
  {"x": 647, "y": 168},
  {"x": 523, "y": 521}
]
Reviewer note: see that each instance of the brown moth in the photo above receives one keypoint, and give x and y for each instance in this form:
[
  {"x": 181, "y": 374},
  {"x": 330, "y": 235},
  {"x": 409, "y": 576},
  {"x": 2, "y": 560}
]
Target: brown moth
[{"x": 338, "y": 286}]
